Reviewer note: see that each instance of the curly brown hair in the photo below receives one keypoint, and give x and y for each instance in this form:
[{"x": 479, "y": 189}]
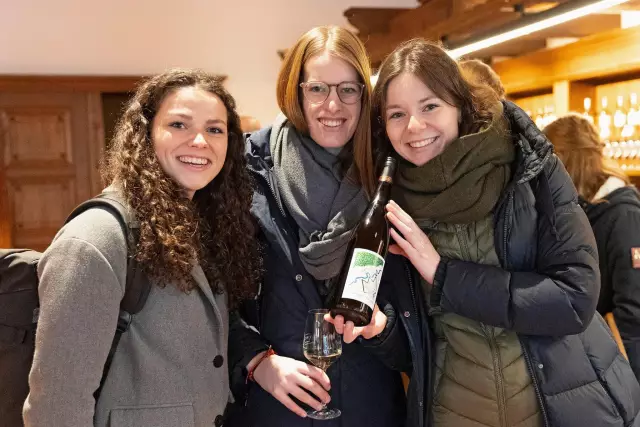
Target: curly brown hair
[{"x": 215, "y": 228}]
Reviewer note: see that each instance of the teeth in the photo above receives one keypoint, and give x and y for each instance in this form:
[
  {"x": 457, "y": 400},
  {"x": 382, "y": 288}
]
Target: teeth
[
  {"x": 423, "y": 143},
  {"x": 331, "y": 123},
  {"x": 193, "y": 160}
]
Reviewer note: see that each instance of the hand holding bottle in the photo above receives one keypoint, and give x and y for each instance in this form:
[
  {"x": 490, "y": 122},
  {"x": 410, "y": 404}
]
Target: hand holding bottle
[
  {"x": 415, "y": 245},
  {"x": 350, "y": 332}
]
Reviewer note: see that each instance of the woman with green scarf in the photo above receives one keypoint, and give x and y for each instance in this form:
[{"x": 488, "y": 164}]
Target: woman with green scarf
[{"x": 487, "y": 217}]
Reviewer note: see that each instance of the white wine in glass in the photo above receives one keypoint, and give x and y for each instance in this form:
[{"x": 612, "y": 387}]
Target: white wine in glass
[{"x": 321, "y": 346}]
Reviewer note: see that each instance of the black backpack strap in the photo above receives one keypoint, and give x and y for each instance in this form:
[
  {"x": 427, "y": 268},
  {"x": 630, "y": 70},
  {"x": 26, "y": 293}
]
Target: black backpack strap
[{"x": 137, "y": 284}]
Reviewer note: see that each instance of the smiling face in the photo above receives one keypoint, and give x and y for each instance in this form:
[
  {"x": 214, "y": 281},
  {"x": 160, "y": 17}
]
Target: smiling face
[
  {"x": 418, "y": 123},
  {"x": 331, "y": 123},
  {"x": 189, "y": 134}
]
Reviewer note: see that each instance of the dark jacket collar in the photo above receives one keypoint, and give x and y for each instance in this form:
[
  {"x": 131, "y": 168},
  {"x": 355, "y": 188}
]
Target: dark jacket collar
[
  {"x": 258, "y": 151},
  {"x": 534, "y": 149}
]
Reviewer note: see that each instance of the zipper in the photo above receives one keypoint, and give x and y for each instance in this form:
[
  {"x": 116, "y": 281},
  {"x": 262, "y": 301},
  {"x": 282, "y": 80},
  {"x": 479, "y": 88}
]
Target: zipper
[
  {"x": 273, "y": 191},
  {"x": 505, "y": 231},
  {"x": 426, "y": 403},
  {"x": 497, "y": 365},
  {"x": 527, "y": 359},
  {"x": 413, "y": 300},
  {"x": 413, "y": 293}
]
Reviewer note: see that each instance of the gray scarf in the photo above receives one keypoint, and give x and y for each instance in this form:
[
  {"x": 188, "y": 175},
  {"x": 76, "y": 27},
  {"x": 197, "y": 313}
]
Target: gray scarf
[{"x": 325, "y": 205}]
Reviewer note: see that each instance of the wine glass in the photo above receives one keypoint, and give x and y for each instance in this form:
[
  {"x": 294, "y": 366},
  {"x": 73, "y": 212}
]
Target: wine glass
[{"x": 321, "y": 346}]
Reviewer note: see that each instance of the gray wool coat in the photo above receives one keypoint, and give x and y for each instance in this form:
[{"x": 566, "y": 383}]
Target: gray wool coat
[{"x": 170, "y": 369}]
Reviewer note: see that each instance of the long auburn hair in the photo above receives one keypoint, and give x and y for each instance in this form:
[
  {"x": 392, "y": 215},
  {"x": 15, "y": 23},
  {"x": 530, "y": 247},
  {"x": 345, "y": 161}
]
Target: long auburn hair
[
  {"x": 577, "y": 143},
  {"x": 345, "y": 45},
  {"x": 440, "y": 73},
  {"x": 215, "y": 228}
]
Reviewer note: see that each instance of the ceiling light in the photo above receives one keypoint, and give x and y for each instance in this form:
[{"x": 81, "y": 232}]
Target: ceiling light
[{"x": 542, "y": 24}]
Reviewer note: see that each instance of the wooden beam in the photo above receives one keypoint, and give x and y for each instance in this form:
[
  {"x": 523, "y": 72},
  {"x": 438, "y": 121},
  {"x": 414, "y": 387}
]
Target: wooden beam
[
  {"x": 48, "y": 83},
  {"x": 34, "y": 83},
  {"x": 371, "y": 20},
  {"x": 608, "y": 53},
  {"x": 457, "y": 20},
  {"x": 412, "y": 21},
  {"x": 405, "y": 26},
  {"x": 436, "y": 19}
]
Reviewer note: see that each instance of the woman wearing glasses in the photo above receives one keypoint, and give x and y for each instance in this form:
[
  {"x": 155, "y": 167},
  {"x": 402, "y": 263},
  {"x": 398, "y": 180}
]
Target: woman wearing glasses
[{"x": 309, "y": 197}]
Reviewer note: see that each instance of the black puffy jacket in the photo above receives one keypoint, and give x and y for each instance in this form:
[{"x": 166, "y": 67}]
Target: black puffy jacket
[
  {"x": 616, "y": 224},
  {"x": 365, "y": 381},
  {"x": 546, "y": 291}
]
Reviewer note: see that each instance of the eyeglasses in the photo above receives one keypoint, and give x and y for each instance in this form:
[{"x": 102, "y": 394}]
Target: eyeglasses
[{"x": 318, "y": 92}]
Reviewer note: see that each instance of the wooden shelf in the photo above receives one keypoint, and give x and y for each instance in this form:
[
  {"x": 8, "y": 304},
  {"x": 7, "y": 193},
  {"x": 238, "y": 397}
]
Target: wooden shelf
[
  {"x": 557, "y": 81},
  {"x": 613, "y": 55}
]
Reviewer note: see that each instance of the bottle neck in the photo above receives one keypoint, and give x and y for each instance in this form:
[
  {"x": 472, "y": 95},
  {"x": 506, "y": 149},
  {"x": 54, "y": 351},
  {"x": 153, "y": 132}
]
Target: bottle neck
[{"x": 383, "y": 192}]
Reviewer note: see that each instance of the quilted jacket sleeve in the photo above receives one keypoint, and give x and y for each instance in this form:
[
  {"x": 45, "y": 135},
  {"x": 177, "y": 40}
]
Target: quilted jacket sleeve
[
  {"x": 625, "y": 280},
  {"x": 558, "y": 298}
]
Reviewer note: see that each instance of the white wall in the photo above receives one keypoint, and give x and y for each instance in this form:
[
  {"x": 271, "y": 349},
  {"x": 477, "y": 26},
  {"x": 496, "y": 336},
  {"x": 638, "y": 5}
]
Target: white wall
[{"x": 238, "y": 38}]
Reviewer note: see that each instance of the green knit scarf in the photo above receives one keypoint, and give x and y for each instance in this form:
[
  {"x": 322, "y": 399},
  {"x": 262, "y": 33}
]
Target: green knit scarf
[{"x": 463, "y": 183}]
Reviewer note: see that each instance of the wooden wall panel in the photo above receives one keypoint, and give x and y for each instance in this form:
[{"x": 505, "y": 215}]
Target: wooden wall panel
[
  {"x": 36, "y": 136},
  {"x": 46, "y": 163},
  {"x": 39, "y": 209}
]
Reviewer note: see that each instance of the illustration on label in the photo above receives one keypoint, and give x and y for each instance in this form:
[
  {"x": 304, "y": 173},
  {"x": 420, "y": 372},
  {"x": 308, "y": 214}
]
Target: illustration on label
[{"x": 364, "y": 277}]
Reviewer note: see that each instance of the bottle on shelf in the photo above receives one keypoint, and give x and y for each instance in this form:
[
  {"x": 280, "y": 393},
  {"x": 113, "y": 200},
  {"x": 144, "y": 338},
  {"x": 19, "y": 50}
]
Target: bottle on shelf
[
  {"x": 587, "y": 110},
  {"x": 604, "y": 120},
  {"x": 633, "y": 117},
  {"x": 539, "y": 119},
  {"x": 619, "y": 119},
  {"x": 551, "y": 116}
]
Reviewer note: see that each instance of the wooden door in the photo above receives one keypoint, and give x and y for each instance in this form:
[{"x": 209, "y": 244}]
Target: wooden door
[{"x": 47, "y": 163}]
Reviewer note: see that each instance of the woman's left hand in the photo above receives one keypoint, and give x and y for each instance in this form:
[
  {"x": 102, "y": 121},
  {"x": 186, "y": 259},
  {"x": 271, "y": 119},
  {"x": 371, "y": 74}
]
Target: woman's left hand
[
  {"x": 415, "y": 245},
  {"x": 350, "y": 332}
]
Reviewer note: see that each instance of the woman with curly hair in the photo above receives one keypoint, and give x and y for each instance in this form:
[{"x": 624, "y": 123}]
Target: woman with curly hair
[{"x": 177, "y": 162}]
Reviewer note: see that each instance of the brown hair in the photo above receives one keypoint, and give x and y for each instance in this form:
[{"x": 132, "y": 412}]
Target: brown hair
[
  {"x": 344, "y": 45},
  {"x": 215, "y": 228},
  {"x": 435, "y": 68},
  {"x": 578, "y": 145},
  {"x": 478, "y": 72}
]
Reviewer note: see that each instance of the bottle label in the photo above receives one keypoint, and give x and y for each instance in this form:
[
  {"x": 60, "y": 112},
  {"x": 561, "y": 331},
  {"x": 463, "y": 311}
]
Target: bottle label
[{"x": 364, "y": 277}]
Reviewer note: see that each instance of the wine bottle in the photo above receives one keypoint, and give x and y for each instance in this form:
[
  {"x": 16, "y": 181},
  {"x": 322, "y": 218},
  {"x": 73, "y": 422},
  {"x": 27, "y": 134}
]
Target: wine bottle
[
  {"x": 604, "y": 121},
  {"x": 356, "y": 287},
  {"x": 619, "y": 119},
  {"x": 587, "y": 110}
]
